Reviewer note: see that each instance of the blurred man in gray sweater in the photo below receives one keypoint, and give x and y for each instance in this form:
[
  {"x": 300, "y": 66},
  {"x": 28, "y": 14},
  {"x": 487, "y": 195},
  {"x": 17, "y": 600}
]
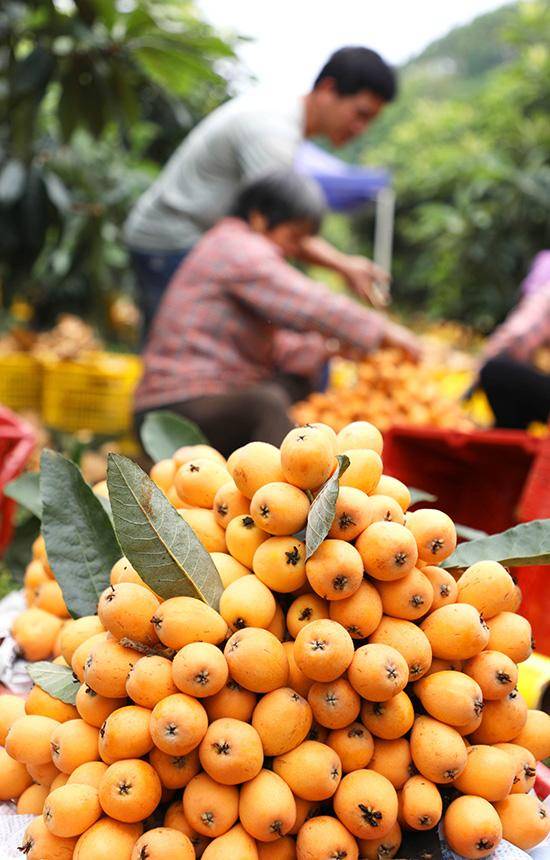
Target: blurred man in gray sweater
[{"x": 239, "y": 141}]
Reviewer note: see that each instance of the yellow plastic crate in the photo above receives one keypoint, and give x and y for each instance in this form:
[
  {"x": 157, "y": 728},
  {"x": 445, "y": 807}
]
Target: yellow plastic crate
[
  {"x": 534, "y": 679},
  {"x": 93, "y": 394},
  {"x": 455, "y": 384},
  {"x": 20, "y": 382}
]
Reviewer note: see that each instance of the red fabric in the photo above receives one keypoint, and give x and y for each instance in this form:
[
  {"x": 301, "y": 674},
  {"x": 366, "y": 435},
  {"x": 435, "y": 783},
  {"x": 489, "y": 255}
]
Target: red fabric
[
  {"x": 489, "y": 480},
  {"x": 533, "y": 581},
  {"x": 535, "y": 499},
  {"x": 542, "y": 781},
  {"x": 478, "y": 477},
  {"x": 226, "y": 317},
  {"x": 17, "y": 441}
]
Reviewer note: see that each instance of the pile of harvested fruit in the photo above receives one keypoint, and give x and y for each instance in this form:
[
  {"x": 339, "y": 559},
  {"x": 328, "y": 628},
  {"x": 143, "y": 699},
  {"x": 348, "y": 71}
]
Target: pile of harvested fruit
[
  {"x": 386, "y": 389},
  {"x": 70, "y": 338},
  {"x": 340, "y": 689}
]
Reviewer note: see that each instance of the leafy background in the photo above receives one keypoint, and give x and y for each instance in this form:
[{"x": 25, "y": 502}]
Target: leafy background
[
  {"x": 468, "y": 142},
  {"x": 99, "y": 93},
  {"x": 94, "y": 96}
]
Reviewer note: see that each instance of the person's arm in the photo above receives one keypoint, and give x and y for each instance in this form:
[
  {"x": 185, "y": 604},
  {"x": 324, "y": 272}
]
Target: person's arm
[
  {"x": 363, "y": 277},
  {"x": 525, "y": 329},
  {"x": 285, "y": 297},
  {"x": 268, "y": 144}
]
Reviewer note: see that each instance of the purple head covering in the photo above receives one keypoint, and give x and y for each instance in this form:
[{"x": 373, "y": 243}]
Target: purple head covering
[{"x": 539, "y": 274}]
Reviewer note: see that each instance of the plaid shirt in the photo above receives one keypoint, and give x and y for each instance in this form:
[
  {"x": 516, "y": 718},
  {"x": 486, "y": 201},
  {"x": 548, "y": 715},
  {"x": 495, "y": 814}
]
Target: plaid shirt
[
  {"x": 525, "y": 329},
  {"x": 235, "y": 313}
]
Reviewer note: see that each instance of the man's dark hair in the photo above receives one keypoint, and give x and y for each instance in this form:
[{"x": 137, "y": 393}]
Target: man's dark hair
[
  {"x": 280, "y": 196},
  {"x": 354, "y": 69}
]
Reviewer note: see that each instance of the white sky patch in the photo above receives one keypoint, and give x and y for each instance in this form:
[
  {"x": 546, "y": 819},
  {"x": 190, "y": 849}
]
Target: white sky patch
[{"x": 293, "y": 38}]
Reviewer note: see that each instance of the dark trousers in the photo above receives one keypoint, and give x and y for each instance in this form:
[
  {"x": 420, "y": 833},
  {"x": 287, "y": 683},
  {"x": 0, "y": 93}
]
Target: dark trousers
[
  {"x": 153, "y": 272},
  {"x": 258, "y": 413},
  {"x": 518, "y": 393}
]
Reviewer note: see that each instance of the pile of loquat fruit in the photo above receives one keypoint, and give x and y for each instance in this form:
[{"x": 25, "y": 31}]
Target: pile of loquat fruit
[
  {"x": 330, "y": 704},
  {"x": 388, "y": 389}
]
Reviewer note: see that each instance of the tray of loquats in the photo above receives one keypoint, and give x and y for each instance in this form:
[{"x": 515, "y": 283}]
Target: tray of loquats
[{"x": 266, "y": 658}]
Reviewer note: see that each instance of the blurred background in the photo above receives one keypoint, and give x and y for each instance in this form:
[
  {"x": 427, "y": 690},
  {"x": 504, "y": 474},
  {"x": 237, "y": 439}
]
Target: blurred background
[
  {"x": 98, "y": 93},
  {"x": 95, "y": 95}
]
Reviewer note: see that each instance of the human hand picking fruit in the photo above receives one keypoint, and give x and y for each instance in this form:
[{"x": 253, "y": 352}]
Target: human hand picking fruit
[{"x": 367, "y": 280}]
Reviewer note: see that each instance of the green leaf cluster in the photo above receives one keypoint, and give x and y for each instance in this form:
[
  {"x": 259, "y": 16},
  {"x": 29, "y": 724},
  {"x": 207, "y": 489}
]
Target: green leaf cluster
[
  {"x": 162, "y": 433},
  {"x": 156, "y": 540},
  {"x": 26, "y": 491},
  {"x": 523, "y": 545},
  {"x": 59, "y": 681},
  {"x": 83, "y": 544},
  {"x": 94, "y": 94},
  {"x": 321, "y": 513},
  {"x": 468, "y": 143},
  {"x": 80, "y": 541}
]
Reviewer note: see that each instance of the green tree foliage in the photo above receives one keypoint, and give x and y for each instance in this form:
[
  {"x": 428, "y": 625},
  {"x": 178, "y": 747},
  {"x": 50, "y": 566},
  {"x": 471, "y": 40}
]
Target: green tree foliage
[
  {"x": 93, "y": 93},
  {"x": 472, "y": 173},
  {"x": 472, "y": 49}
]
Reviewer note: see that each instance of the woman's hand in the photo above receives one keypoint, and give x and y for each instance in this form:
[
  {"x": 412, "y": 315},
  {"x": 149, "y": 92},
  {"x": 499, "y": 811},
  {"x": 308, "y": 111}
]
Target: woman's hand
[{"x": 367, "y": 280}]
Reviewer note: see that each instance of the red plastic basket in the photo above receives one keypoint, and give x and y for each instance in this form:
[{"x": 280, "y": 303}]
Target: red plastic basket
[
  {"x": 489, "y": 480},
  {"x": 542, "y": 782},
  {"x": 17, "y": 440}
]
